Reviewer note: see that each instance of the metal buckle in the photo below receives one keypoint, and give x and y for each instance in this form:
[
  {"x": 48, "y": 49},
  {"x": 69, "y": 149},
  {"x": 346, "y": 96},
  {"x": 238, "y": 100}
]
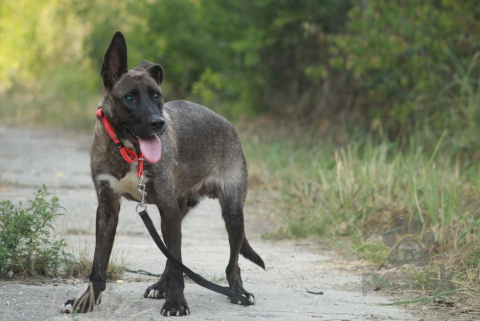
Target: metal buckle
[
  {"x": 141, "y": 190},
  {"x": 140, "y": 207}
]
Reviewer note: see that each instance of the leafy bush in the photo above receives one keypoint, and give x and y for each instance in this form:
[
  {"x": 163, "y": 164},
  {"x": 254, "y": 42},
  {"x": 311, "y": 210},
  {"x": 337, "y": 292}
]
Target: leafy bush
[
  {"x": 413, "y": 63},
  {"x": 248, "y": 56},
  {"x": 26, "y": 245}
]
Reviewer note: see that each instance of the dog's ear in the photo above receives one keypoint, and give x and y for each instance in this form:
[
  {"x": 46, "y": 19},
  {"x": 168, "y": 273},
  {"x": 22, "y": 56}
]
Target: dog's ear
[
  {"x": 155, "y": 71},
  {"x": 115, "y": 61}
]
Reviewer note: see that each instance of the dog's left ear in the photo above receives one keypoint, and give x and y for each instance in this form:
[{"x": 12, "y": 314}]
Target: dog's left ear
[
  {"x": 155, "y": 71},
  {"x": 115, "y": 61}
]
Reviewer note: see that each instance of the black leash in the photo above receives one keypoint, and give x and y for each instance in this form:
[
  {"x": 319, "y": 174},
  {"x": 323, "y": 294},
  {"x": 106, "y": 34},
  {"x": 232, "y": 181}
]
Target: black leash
[{"x": 200, "y": 280}]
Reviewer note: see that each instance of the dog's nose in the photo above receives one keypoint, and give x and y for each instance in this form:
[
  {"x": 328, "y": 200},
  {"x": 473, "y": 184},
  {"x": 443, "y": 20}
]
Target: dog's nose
[{"x": 157, "y": 122}]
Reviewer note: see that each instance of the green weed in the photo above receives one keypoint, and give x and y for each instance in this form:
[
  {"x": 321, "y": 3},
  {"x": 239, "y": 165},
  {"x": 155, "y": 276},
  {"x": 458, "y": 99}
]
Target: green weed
[
  {"x": 27, "y": 245},
  {"x": 30, "y": 248}
]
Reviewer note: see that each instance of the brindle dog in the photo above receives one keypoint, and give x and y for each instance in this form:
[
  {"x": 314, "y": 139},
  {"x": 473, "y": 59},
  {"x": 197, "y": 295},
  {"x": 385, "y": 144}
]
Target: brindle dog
[{"x": 200, "y": 156}]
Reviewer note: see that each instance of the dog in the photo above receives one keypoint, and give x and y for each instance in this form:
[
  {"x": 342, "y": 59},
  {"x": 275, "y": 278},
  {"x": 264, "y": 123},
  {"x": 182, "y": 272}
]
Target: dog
[{"x": 190, "y": 152}]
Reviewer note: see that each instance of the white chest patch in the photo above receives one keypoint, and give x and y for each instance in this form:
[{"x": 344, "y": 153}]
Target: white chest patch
[{"x": 127, "y": 185}]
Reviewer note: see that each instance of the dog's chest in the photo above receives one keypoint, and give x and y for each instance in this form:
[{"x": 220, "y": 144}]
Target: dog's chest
[{"x": 127, "y": 185}]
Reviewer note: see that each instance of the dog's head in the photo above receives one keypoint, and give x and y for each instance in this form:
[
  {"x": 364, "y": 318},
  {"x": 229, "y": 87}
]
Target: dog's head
[{"x": 133, "y": 101}]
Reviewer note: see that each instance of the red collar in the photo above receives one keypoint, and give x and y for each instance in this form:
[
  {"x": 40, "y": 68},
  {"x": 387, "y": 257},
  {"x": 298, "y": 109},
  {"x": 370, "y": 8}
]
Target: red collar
[{"x": 128, "y": 155}]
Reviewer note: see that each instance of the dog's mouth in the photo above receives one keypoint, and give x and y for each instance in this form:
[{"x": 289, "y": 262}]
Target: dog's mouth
[
  {"x": 150, "y": 146},
  {"x": 131, "y": 136}
]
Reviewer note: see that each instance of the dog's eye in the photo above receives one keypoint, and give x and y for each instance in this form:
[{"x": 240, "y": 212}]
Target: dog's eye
[
  {"x": 156, "y": 95},
  {"x": 128, "y": 98}
]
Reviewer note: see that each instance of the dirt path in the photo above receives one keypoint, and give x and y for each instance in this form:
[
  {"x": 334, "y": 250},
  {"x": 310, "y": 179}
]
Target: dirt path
[{"x": 30, "y": 158}]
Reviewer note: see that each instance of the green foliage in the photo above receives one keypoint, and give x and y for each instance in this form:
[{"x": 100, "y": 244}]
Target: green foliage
[
  {"x": 392, "y": 66},
  {"x": 26, "y": 245},
  {"x": 34, "y": 39},
  {"x": 239, "y": 57},
  {"x": 414, "y": 62}
]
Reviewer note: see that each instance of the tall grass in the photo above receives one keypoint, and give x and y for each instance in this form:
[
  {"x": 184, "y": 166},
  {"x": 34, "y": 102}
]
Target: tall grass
[
  {"x": 360, "y": 188},
  {"x": 353, "y": 183}
]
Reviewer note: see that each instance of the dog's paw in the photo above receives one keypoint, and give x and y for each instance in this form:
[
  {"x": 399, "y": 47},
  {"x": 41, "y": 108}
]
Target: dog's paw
[
  {"x": 74, "y": 306},
  {"x": 175, "y": 308},
  {"x": 77, "y": 306},
  {"x": 249, "y": 296},
  {"x": 155, "y": 291},
  {"x": 84, "y": 304},
  {"x": 236, "y": 285}
]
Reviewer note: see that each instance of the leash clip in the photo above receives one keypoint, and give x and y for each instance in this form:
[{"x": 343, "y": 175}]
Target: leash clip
[{"x": 141, "y": 189}]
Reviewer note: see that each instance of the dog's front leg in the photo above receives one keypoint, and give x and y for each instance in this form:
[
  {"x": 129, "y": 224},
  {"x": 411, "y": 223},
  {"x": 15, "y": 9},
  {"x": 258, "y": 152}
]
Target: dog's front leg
[
  {"x": 106, "y": 226},
  {"x": 175, "y": 303}
]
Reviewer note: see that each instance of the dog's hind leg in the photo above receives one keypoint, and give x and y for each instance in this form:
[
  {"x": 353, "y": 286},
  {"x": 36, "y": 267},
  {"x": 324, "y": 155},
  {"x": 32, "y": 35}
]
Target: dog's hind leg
[
  {"x": 106, "y": 226},
  {"x": 231, "y": 201}
]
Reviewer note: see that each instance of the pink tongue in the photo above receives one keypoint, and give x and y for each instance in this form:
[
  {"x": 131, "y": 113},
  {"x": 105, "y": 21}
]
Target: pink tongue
[{"x": 151, "y": 148}]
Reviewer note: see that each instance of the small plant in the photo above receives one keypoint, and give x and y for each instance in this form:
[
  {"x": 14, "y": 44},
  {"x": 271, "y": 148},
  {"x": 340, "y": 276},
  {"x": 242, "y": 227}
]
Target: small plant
[
  {"x": 81, "y": 267},
  {"x": 26, "y": 245}
]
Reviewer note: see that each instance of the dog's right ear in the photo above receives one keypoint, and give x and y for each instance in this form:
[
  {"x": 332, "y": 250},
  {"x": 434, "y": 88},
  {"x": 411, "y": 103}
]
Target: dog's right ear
[
  {"x": 115, "y": 61},
  {"x": 155, "y": 71}
]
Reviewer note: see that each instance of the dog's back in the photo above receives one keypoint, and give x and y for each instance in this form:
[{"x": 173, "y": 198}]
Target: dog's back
[{"x": 208, "y": 154}]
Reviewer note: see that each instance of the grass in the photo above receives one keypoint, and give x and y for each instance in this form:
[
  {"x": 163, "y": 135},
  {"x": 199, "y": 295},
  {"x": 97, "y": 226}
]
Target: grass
[
  {"x": 80, "y": 266},
  {"x": 80, "y": 242},
  {"x": 356, "y": 190},
  {"x": 430, "y": 298}
]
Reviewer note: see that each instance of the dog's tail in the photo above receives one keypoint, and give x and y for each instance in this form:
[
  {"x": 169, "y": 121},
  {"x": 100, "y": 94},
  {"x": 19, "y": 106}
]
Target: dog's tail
[{"x": 250, "y": 254}]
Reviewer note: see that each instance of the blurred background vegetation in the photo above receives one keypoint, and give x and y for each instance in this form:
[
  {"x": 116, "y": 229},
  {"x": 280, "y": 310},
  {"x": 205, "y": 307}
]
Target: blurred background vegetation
[
  {"x": 352, "y": 112},
  {"x": 391, "y": 66}
]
